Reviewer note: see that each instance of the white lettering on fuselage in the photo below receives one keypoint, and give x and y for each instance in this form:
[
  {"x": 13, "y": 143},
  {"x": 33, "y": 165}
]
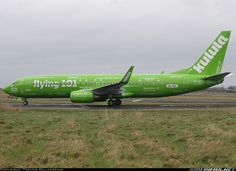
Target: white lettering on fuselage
[
  {"x": 55, "y": 84},
  {"x": 172, "y": 85},
  {"x": 210, "y": 54}
]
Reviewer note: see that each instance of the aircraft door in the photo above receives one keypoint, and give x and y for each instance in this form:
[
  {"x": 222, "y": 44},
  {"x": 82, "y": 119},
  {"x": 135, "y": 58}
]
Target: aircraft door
[
  {"x": 26, "y": 87},
  {"x": 186, "y": 84}
]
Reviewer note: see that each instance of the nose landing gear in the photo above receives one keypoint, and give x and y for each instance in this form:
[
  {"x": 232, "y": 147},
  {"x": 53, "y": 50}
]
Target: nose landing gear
[{"x": 116, "y": 102}]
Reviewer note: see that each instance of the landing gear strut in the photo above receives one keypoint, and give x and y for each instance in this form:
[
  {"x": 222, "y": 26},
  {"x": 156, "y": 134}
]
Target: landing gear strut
[{"x": 116, "y": 102}]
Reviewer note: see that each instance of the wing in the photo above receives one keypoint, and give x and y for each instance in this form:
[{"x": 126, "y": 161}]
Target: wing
[{"x": 114, "y": 89}]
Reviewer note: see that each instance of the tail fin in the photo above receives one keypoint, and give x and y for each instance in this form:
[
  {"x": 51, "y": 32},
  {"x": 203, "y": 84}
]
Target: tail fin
[{"x": 211, "y": 61}]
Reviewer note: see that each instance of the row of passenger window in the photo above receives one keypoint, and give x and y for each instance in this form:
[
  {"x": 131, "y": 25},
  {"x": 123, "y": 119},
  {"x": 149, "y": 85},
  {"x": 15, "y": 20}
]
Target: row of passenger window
[{"x": 130, "y": 83}]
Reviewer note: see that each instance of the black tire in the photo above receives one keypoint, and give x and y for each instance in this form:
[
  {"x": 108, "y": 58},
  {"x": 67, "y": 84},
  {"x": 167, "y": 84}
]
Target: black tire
[
  {"x": 111, "y": 102},
  {"x": 25, "y": 102},
  {"x": 118, "y": 102}
]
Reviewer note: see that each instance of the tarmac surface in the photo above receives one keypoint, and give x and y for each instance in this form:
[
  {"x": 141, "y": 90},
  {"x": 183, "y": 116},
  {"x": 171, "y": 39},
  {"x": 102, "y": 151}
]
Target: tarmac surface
[
  {"x": 128, "y": 104},
  {"x": 196, "y": 100}
]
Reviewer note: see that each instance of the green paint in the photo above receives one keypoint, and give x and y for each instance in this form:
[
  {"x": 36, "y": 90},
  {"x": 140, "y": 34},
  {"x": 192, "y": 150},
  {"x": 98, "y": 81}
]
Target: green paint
[
  {"x": 90, "y": 88},
  {"x": 211, "y": 61}
]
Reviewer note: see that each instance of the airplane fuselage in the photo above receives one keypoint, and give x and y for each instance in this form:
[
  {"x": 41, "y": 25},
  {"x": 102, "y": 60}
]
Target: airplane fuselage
[{"x": 140, "y": 85}]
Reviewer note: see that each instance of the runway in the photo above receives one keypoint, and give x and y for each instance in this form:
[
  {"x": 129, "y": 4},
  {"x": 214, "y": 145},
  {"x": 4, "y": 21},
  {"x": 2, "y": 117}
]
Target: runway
[
  {"x": 148, "y": 104},
  {"x": 196, "y": 100}
]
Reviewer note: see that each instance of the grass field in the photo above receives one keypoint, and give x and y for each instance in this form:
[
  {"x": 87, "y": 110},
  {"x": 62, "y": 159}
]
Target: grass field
[{"x": 119, "y": 138}]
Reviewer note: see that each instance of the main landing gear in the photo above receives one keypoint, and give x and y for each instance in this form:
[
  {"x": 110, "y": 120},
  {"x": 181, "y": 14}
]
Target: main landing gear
[
  {"x": 114, "y": 102},
  {"x": 25, "y": 102}
]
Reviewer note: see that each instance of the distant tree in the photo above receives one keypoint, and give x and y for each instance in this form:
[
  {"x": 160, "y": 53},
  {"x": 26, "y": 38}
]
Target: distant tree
[
  {"x": 232, "y": 88},
  {"x": 217, "y": 89}
]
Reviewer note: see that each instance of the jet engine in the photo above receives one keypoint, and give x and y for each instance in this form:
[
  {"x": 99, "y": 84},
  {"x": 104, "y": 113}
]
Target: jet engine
[{"x": 82, "y": 96}]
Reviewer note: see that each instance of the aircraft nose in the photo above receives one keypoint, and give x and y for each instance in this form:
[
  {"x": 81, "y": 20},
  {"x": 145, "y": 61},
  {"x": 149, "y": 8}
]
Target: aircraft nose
[{"x": 6, "y": 89}]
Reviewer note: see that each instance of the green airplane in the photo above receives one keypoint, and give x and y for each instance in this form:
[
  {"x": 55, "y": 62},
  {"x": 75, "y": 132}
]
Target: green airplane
[{"x": 204, "y": 73}]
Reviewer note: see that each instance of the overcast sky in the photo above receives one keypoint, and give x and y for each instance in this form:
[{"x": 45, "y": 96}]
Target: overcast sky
[{"x": 107, "y": 36}]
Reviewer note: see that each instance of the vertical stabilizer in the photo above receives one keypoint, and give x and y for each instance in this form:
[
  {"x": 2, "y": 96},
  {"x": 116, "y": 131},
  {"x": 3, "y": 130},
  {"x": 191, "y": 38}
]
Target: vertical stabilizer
[{"x": 211, "y": 61}]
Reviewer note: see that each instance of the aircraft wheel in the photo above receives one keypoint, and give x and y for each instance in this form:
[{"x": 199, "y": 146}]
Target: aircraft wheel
[
  {"x": 111, "y": 102},
  {"x": 118, "y": 102},
  {"x": 25, "y": 102}
]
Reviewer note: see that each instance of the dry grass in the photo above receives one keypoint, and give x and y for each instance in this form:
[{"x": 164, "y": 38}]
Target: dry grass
[
  {"x": 3, "y": 162},
  {"x": 214, "y": 130},
  {"x": 118, "y": 138}
]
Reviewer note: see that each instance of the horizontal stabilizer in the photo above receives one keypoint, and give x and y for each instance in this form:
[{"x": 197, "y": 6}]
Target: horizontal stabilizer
[{"x": 217, "y": 76}]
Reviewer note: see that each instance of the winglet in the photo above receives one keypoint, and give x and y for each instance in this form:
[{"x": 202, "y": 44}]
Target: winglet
[
  {"x": 115, "y": 88},
  {"x": 127, "y": 76}
]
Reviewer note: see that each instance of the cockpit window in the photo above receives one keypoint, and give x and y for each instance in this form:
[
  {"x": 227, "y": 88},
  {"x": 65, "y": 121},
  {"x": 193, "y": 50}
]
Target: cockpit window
[{"x": 15, "y": 83}]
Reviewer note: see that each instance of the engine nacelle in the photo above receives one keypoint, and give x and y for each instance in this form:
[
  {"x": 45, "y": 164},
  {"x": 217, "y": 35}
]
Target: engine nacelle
[{"x": 82, "y": 96}]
